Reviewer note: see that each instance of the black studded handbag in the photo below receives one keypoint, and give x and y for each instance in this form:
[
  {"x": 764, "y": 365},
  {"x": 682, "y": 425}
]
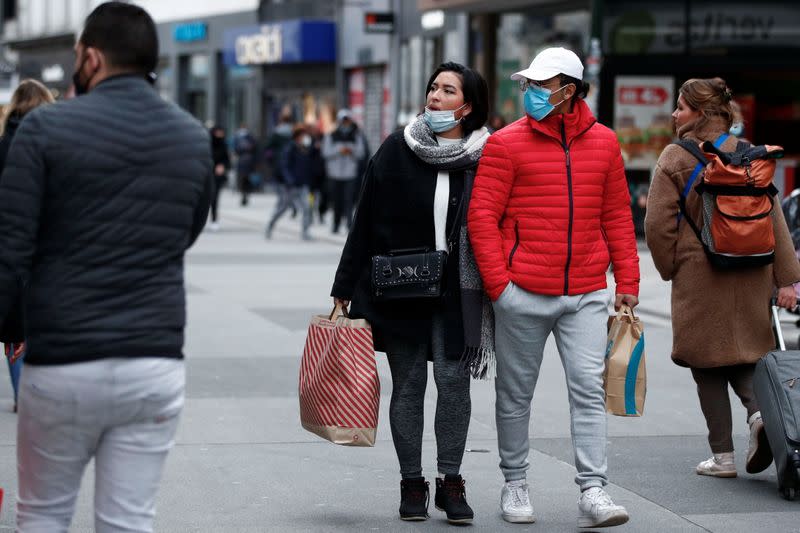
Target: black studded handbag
[{"x": 411, "y": 273}]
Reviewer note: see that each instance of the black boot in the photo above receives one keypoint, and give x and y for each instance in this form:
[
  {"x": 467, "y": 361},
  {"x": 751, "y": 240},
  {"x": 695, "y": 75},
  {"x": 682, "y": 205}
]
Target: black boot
[
  {"x": 452, "y": 499},
  {"x": 414, "y": 495}
]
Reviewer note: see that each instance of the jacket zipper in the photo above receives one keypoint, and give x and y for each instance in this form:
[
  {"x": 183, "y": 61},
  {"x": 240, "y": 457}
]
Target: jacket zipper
[
  {"x": 571, "y": 207},
  {"x": 571, "y": 199},
  {"x": 516, "y": 243}
]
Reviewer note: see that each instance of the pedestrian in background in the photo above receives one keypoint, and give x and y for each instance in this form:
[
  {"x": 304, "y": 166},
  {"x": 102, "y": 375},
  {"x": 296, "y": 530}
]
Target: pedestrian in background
[
  {"x": 496, "y": 122},
  {"x": 222, "y": 162},
  {"x": 415, "y": 192},
  {"x": 342, "y": 149},
  {"x": 245, "y": 146},
  {"x": 319, "y": 180},
  {"x": 99, "y": 220},
  {"x": 720, "y": 321},
  {"x": 550, "y": 209},
  {"x": 28, "y": 95},
  {"x": 297, "y": 167}
]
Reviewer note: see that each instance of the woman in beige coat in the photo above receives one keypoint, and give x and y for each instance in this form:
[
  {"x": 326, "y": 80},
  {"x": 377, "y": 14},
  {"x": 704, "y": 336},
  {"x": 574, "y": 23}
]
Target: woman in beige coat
[{"x": 720, "y": 319}]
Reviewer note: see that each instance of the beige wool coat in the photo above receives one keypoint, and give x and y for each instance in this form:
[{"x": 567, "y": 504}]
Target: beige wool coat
[{"x": 719, "y": 318}]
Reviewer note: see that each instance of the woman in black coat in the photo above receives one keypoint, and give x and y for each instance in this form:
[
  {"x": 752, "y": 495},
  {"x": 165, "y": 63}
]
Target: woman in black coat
[
  {"x": 415, "y": 194},
  {"x": 27, "y": 96}
]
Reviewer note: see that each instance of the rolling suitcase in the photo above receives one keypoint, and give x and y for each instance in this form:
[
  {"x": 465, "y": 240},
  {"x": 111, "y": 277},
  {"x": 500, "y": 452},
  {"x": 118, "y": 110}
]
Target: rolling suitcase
[{"x": 776, "y": 384}]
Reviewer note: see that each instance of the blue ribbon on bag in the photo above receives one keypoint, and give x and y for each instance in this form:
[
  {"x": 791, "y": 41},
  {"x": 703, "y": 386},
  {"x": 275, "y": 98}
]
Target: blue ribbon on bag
[{"x": 631, "y": 375}]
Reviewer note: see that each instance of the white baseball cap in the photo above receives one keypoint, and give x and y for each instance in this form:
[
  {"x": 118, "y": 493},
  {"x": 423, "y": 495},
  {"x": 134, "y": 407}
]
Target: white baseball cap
[
  {"x": 551, "y": 62},
  {"x": 343, "y": 114}
]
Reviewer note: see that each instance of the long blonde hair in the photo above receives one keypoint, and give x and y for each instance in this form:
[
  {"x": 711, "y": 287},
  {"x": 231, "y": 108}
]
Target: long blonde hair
[{"x": 28, "y": 95}]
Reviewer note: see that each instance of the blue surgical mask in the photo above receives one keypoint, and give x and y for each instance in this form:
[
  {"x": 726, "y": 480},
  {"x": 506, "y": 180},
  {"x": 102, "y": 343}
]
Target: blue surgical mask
[
  {"x": 737, "y": 128},
  {"x": 537, "y": 101},
  {"x": 441, "y": 121}
]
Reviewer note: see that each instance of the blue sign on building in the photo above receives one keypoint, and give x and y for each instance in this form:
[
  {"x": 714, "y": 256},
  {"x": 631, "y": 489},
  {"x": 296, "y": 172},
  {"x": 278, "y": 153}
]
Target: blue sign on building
[
  {"x": 293, "y": 41},
  {"x": 193, "y": 31}
]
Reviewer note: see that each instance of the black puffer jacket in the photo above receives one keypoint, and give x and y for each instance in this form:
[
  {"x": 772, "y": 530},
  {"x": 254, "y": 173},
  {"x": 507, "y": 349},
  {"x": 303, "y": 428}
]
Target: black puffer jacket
[
  {"x": 103, "y": 194},
  {"x": 12, "y": 329}
]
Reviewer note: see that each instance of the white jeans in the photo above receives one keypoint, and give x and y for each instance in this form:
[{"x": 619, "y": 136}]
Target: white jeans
[{"x": 122, "y": 412}]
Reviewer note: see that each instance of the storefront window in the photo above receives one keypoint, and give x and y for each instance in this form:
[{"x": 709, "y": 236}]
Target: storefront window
[
  {"x": 165, "y": 80},
  {"x": 194, "y": 80},
  {"x": 520, "y": 36}
]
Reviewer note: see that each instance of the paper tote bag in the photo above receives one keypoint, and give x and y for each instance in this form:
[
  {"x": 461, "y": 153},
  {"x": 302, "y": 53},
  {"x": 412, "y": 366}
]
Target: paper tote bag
[
  {"x": 625, "y": 378},
  {"x": 339, "y": 385}
]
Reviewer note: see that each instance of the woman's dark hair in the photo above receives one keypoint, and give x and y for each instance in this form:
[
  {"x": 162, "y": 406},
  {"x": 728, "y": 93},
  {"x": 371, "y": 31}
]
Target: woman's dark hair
[
  {"x": 581, "y": 87},
  {"x": 476, "y": 93},
  {"x": 125, "y": 33}
]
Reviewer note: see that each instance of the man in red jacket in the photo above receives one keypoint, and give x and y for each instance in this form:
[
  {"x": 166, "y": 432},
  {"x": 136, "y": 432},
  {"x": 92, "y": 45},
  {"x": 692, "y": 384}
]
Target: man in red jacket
[{"x": 549, "y": 210}]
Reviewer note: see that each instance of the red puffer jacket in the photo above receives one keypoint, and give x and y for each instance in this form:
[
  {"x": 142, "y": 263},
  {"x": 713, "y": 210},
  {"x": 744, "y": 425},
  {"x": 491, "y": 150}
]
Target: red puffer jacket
[{"x": 550, "y": 207}]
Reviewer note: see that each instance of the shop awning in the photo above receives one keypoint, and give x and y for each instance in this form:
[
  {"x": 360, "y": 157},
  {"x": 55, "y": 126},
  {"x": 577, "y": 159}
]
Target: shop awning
[{"x": 476, "y": 6}]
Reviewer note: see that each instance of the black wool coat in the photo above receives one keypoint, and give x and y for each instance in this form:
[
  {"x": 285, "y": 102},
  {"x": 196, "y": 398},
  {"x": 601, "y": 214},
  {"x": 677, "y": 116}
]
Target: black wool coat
[{"x": 395, "y": 211}]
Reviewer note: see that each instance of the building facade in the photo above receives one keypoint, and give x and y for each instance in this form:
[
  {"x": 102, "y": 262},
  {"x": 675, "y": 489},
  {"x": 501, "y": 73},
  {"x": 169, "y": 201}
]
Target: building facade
[
  {"x": 38, "y": 37},
  {"x": 192, "y": 71}
]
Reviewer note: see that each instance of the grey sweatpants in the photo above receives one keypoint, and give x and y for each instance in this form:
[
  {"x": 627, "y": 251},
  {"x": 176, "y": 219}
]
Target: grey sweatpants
[
  {"x": 408, "y": 362},
  {"x": 523, "y": 321}
]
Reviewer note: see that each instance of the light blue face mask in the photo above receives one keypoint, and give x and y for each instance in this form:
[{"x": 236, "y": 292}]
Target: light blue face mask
[
  {"x": 537, "y": 101},
  {"x": 441, "y": 121},
  {"x": 737, "y": 128}
]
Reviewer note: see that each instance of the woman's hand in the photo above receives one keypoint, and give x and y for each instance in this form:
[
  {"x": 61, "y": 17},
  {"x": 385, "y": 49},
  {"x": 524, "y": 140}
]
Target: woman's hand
[
  {"x": 343, "y": 303},
  {"x": 787, "y": 298}
]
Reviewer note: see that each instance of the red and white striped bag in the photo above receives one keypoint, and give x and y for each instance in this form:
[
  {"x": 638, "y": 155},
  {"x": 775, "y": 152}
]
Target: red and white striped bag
[{"x": 339, "y": 385}]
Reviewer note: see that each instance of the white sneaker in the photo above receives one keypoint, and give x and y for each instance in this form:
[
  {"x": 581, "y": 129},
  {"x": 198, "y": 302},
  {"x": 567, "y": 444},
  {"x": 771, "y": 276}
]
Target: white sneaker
[
  {"x": 759, "y": 454},
  {"x": 718, "y": 465},
  {"x": 598, "y": 510},
  {"x": 515, "y": 503}
]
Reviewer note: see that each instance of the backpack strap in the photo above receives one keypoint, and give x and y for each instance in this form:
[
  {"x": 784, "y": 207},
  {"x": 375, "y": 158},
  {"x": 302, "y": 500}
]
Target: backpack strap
[{"x": 695, "y": 150}]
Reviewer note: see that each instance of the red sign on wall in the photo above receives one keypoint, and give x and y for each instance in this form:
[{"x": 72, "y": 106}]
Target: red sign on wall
[{"x": 631, "y": 95}]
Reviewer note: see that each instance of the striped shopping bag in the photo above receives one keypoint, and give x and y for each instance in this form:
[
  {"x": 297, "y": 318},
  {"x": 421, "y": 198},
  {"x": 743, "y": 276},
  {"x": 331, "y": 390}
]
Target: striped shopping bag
[{"x": 339, "y": 385}]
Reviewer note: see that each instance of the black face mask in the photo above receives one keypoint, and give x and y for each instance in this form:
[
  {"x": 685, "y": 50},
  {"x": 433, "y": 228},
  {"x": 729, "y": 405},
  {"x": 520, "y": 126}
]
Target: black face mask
[{"x": 80, "y": 87}]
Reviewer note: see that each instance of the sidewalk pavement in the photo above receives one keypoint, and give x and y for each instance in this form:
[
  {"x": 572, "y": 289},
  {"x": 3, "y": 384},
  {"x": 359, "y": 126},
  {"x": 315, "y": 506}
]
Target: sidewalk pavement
[{"x": 242, "y": 462}]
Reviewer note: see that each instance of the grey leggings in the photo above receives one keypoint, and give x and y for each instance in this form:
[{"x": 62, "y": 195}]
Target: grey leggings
[{"x": 408, "y": 362}]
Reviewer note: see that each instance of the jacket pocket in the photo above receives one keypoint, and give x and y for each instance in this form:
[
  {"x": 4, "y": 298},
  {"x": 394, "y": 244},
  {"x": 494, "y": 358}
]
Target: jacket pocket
[{"x": 516, "y": 244}]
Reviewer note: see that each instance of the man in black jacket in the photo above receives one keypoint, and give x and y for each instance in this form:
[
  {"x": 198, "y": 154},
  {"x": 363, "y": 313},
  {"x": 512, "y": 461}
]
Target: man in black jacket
[{"x": 103, "y": 193}]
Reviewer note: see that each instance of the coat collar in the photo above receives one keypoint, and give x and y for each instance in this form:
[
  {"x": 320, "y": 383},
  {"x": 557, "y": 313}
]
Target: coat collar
[
  {"x": 700, "y": 130},
  {"x": 575, "y": 123}
]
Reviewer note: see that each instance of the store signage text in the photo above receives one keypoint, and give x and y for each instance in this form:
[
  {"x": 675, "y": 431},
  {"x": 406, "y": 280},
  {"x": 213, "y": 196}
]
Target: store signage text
[
  {"x": 378, "y": 22},
  {"x": 194, "y": 31},
  {"x": 724, "y": 27},
  {"x": 261, "y": 48}
]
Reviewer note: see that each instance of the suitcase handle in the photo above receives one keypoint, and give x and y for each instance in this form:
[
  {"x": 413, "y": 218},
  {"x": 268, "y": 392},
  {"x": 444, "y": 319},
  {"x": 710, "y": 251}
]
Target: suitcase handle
[{"x": 776, "y": 322}]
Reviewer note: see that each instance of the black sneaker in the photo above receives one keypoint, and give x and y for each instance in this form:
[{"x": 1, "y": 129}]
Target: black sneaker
[
  {"x": 451, "y": 497},
  {"x": 414, "y": 496}
]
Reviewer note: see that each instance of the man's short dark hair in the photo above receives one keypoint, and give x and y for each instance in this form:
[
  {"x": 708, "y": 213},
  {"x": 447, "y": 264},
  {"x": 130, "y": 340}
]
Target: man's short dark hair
[
  {"x": 125, "y": 33},
  {"x": 476, "y": 93}
]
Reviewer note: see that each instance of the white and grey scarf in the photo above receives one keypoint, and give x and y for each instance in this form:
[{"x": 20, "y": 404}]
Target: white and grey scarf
[{"x": 476, "y": 309}]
